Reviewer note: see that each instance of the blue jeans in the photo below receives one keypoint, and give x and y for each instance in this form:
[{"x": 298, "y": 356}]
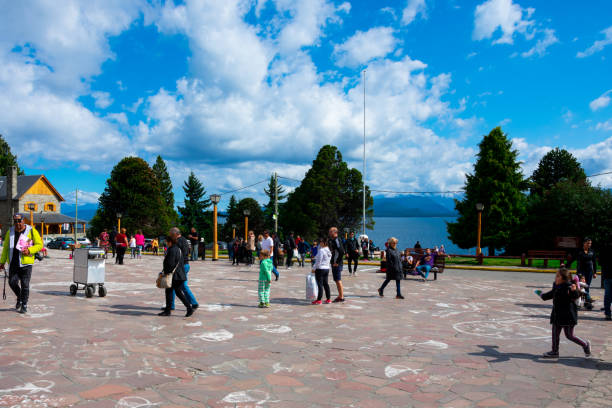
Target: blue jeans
[
  {"x": 274, "y": 270},
  {"x": 194, "y": 252},
  {"x": 190, "y": 298},
  {"x": 422, "y": 268},
  {"x": 607, "y": 296}
]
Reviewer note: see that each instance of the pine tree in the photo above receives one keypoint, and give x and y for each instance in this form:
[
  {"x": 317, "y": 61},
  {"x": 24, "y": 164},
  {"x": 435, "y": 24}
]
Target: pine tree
[
  {"x": 132, "y": 190},
  {"x": 193, "y": 213},
  {"x": 556, "y": 166},
  {"x": 330, "y": 195},
  {"x": 269, "y": 208},
  {"x": 497, "y": 182},
  {"x": 7, "y": 158},
  {"x": 165, "y": 184}
]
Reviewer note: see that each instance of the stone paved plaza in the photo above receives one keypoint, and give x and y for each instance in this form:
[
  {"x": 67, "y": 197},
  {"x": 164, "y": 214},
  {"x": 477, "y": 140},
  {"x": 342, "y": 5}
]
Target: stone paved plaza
[{"x": 459, "y": 342}]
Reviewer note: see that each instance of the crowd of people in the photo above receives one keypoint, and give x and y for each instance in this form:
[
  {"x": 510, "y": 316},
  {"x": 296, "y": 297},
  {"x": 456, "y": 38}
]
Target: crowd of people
[{"x": 327, "y": 254}]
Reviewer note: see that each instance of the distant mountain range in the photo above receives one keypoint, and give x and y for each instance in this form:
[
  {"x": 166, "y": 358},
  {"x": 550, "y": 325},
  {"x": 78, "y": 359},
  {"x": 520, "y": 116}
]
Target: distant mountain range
[
  {"x": 86, "y": 211},
  {"x": 414, "y": 206},
  {"x": 399, "y": 206}
]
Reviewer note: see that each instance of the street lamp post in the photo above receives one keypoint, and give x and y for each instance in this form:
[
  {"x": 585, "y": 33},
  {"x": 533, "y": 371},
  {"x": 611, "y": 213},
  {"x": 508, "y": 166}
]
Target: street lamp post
[
  {"x": 31, "y": 207},
  {"x": 246, "y": 224},
  {"x": 346, "y": 231},
  {"x": 233, "y": 231},
  {"x": 215, "y": 198},
  {"x": 42, "y": 229},
  {"x": 479, "y": 208},
  {"x": 119, "y": 215}
]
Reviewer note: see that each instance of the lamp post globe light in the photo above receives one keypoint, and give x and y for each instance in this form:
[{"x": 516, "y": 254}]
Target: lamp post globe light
[
  {"x": 215, "y": 198},
  {"x": 479, "y": 209},
  {"x": 246, "y": 213}
]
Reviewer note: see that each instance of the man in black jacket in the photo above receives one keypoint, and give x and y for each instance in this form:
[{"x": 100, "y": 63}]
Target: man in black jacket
[
  {"x": 352, "y": 252},
  {"x": 289, "y": 248},
  {"x": 605, "y": 259},
  {"x": 183, "y": 245},
  {"x": 337, "y": 251}
]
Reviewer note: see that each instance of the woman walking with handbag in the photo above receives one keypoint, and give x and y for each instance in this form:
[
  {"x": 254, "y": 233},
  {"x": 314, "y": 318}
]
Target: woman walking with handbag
[
  {"x": 173, "y": 276},
  {"x": 394, "y": 269}
]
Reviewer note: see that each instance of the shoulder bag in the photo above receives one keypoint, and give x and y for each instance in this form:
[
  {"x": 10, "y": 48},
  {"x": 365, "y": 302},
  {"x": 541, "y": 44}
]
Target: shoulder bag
[{"x": 164, "y": 281}]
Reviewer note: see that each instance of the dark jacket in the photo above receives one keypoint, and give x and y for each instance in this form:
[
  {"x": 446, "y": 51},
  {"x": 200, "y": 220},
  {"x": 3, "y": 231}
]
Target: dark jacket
[
  {"x": 394, "y": 264},
  {"x": 586, "y": 263},
  {"x": 183, "y": 244},
  {"x": 337, "y": 251},
  {"x": 290, "y": 244},
  {"x": 352, "y": 245},
  {"x": 565, "y": 311},
  {"x": 171, "y": 260},
  {"x": 605, "y": 260}
]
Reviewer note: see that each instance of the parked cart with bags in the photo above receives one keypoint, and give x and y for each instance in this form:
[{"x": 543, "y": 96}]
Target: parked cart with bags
[{"x": 89, "y": 271}]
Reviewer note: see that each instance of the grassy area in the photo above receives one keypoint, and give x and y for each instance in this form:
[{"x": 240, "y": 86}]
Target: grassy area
[
  {"x": 462, "y": 261},
  {"x": 500, "y": 262}
]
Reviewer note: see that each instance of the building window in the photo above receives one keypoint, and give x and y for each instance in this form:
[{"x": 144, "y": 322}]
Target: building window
[
  {"x": 26, "y": 206},
  {"x": 49, "y": 207}
]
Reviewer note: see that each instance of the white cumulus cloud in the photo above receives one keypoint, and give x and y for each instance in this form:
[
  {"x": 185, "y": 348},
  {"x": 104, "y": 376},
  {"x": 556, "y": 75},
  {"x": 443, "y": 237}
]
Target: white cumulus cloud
[
  {"x": 601, "y": 102},
  {"x": 412, "y": 10},
  {"x": 363, "y": 47},
  {"x": 504, "y": 16},
  {"x": 102, "y": 99},
  {"x": 549, "y": 38},
  {"x": 597, "y": 45}
]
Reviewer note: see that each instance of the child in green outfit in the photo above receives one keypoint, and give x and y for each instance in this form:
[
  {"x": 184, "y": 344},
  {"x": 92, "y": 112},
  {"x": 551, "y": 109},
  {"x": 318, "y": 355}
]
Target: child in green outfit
[{"x": 265, "y": 276}]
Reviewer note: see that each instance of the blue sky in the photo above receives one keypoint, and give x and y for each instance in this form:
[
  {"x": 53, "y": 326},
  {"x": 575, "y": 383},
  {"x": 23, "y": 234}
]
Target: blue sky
[{"x": 235, "y": 90}]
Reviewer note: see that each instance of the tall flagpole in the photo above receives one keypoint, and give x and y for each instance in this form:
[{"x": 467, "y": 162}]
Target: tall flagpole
[{"x": 364, "y": 152}]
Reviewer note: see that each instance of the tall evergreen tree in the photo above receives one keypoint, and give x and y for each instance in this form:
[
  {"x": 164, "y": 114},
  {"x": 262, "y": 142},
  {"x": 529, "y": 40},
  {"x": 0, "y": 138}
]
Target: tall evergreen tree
[
  {"x": 165, "y": 185},
  {"x": 196, "y": 203},
  {"x": 557, "y": 165},
  {"x": 7, "y": 158},
  {"x": 269, "y": 207},
  {"x": 497, "y": 182},
  {"x": 132, "y": 190},
  {"x": 329, "y": 195}
]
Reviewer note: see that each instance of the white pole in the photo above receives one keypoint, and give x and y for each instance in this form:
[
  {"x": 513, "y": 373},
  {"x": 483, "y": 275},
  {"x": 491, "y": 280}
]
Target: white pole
[
  {"x": 364, "y": 152},
  {"x": 76, "y": 214}
]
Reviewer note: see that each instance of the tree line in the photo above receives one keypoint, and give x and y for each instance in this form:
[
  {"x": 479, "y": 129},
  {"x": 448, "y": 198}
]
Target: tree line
[
  {"x": 330, "y": 194},
  {"x": 522, "y": 213}
]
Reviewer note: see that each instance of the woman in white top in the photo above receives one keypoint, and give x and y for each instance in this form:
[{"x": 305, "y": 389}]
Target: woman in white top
[
  {"x": 133, "y": 246},
  {"x": 321, "y": 270}
]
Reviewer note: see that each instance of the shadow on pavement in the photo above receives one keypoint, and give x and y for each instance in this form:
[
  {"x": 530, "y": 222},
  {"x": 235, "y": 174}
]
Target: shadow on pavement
[
  {"x": 133, "y": 307},
  {"x": 580, "y": 317},
  {"x": 56, "y": 292},
  {"x": 582, "y": 362},
  {"x": 536, "y": 305}
]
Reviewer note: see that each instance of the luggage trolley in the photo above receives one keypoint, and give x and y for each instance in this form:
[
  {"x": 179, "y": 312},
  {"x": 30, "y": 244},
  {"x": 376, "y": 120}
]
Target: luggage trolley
[{"x": 88, "y": 271}]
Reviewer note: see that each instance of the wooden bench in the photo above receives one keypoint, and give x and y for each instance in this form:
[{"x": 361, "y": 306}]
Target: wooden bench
[
  {"x": 544, "y": 255},
  {"x": 438, "y": 266}
]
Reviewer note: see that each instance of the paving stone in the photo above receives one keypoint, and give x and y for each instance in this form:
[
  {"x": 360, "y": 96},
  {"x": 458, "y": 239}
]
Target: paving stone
[{"x": 456, "y": 343}]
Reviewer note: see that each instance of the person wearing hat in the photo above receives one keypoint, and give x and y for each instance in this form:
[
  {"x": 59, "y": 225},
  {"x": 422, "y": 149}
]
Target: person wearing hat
[{"x": 21, "y": 243}]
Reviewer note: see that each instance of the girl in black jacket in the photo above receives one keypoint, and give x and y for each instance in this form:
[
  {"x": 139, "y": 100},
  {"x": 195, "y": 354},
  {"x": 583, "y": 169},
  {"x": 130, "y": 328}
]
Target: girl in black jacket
[
  {"x": 173, "y": 262},
  {"x": 564, "y": 314}
]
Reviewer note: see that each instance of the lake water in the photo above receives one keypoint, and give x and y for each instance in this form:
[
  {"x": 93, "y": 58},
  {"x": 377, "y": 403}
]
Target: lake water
[{"x": 430, "y": 231}]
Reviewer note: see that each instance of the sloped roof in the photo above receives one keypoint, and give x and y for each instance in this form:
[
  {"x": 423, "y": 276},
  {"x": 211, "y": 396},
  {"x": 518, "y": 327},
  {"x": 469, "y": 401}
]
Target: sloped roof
[
  {"x": 24, "y": 183},
  {"x": 53, "y": 218}
]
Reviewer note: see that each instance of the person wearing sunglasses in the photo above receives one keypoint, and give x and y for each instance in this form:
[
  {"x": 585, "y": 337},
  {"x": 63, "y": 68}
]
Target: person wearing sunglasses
[{"x": 21, "y": 243}]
